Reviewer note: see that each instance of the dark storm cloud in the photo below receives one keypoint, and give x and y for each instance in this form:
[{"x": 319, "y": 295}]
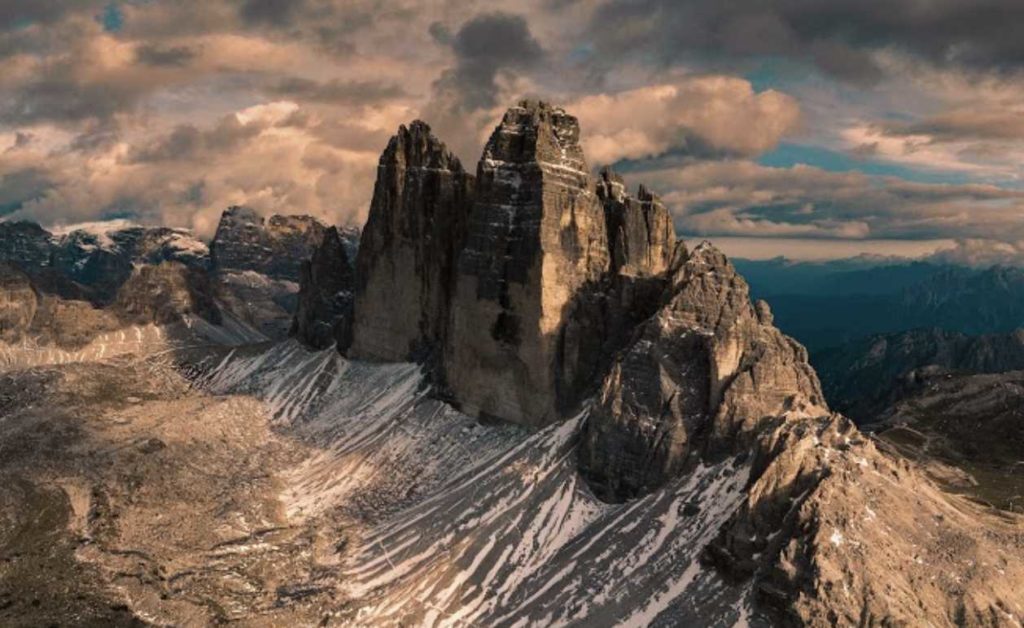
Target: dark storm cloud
[
  {"x": 16, "y": 14},
  {"x": 20, "y": 187},
  {"x": 484, "y": 46},
  {"x": 838, "y": 35},
  {"x": 270, "y": 12},
  {"x": 159, "y": 56},
  {"x": 61, "y": 99},
  {"x": 337, "y": 92}
]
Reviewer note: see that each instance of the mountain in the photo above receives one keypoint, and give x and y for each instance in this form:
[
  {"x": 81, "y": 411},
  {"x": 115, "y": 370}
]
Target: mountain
[
  {"x": 862, "y": 378},
  {"x": 966, "y": 428},
  {"x": 94, "y": 260},
  {"x": 575, "y": 419},
  {"x": 830, "y": 304}
]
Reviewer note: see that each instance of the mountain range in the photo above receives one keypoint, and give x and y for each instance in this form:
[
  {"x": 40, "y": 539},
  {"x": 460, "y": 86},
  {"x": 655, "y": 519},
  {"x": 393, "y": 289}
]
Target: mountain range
[
  {"x": 828, "y": 304},
  {"x": 519, "y": 400}
]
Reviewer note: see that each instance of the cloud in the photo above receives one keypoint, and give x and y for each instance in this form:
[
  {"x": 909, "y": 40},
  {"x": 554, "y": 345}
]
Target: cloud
[
  {"x": 484, "y": 46},
  {"x": 841, "y": 37},
  {"x": 741, "y": 198},
  {"x": 981, "y": 253},
  {"x": 336, "y": 91},
  {"x": 186, "y": 176},
  {"x": 270, "y": 12},
  {"x": 701, "y": 116},
  {"x": 157, "y": 56}
]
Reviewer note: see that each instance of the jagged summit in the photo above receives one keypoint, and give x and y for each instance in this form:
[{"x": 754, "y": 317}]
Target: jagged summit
[
  {"x": 276, "y": 247},
  {"x": 406, "y": 262}
]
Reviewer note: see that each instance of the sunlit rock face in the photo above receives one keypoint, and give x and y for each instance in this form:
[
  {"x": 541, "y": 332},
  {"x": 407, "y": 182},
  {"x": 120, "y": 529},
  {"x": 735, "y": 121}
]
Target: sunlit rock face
[
  {"x": 324, "y": 313},
  {"x": 702, "y": 376},
  {"x": 406, "y": 263},
  {"x": 536, "y": 237}
]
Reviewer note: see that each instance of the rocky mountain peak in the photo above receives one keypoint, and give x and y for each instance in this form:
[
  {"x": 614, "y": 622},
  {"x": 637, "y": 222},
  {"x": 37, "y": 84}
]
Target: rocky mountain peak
[
  {"x": 535, "y": 132},
  {"x": 407, "y": 251},
  {"x": 245, "y": 241},
  {"x": 700, "y": 377},
  {"x": 416, "y": 146},
  {"x": 641, "y": 235}
]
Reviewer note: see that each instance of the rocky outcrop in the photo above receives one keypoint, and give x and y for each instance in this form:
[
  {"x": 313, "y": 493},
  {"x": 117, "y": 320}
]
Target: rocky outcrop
[
  {"x": 326, "y": 296},
  {"x": 641, "y": 237},
  {"x": 25, "y": 244},
  {"x": 18, "y": 303},
  {"x": 29, "y": 314},
  {"x": 406, "y": 265},
  {"x": 701, "y": 376},
  {"x": 536, "y": 238},
  {"x": 275, "y": 247},
  {"x": 835, "y": 532},
  {"x": 166, "y": 293}
]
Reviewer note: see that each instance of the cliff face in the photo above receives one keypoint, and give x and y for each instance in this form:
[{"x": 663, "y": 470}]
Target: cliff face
[
  {"x": 165, "y": 293},
  {"x": 406, "y": 262},
  {"x": 701, "y": 376},
  {"x": 275, "y": 247},
  {"x": 326, "y": 296},
  {"x": 536, "y": 238},
  {"x": 641, "y": 237}
]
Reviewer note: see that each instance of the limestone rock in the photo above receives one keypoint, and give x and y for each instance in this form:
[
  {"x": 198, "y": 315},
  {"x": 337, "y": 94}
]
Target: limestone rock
[
  {"x": 834, "y": 532},
  {"x": 18, "y": 303},
  {"x": 275, "y": 247},
  {"x": 536, "y": 237},
  {"x": 324, "y": 313},
  {"x": 165, "y": 294},
  {"x": 29, "y": 314},
  {"x": 702, "y": 376},
  {"x": 407, "y": 253},
  {"x": 641, "y": 237}
]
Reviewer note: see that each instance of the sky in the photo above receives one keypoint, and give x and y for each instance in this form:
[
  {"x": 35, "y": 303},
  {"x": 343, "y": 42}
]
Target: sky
[{"x": 806, "y": 128}]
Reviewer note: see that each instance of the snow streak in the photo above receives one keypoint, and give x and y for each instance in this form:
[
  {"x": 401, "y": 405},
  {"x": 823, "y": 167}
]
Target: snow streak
[{"x": 461, "y": 524}]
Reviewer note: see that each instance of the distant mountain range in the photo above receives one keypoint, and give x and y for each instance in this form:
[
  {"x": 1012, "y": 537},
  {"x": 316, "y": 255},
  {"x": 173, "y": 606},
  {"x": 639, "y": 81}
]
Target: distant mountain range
[
  {"x": 250, "y": 269},
  {"x": 830, "y": 304}
]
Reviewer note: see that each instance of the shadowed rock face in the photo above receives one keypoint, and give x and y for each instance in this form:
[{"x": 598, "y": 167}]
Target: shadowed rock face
[
  {"x": 702, "y": 376},
  {"x": 406, "y": 262},
  {"x": 275, "y": 247},
  {"x": 25, "y": 243},
  {"x": 165, "y": 293},
  {"x": 536, "y": 237},
  {"x": 641, "y": 237},
  {"x": 324, "y": 313}
]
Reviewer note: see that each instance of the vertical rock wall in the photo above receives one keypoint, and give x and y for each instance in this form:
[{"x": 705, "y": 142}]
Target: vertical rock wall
[
  {"x": 406, "y": 263},
  {"x": 537, "y": 237}
]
